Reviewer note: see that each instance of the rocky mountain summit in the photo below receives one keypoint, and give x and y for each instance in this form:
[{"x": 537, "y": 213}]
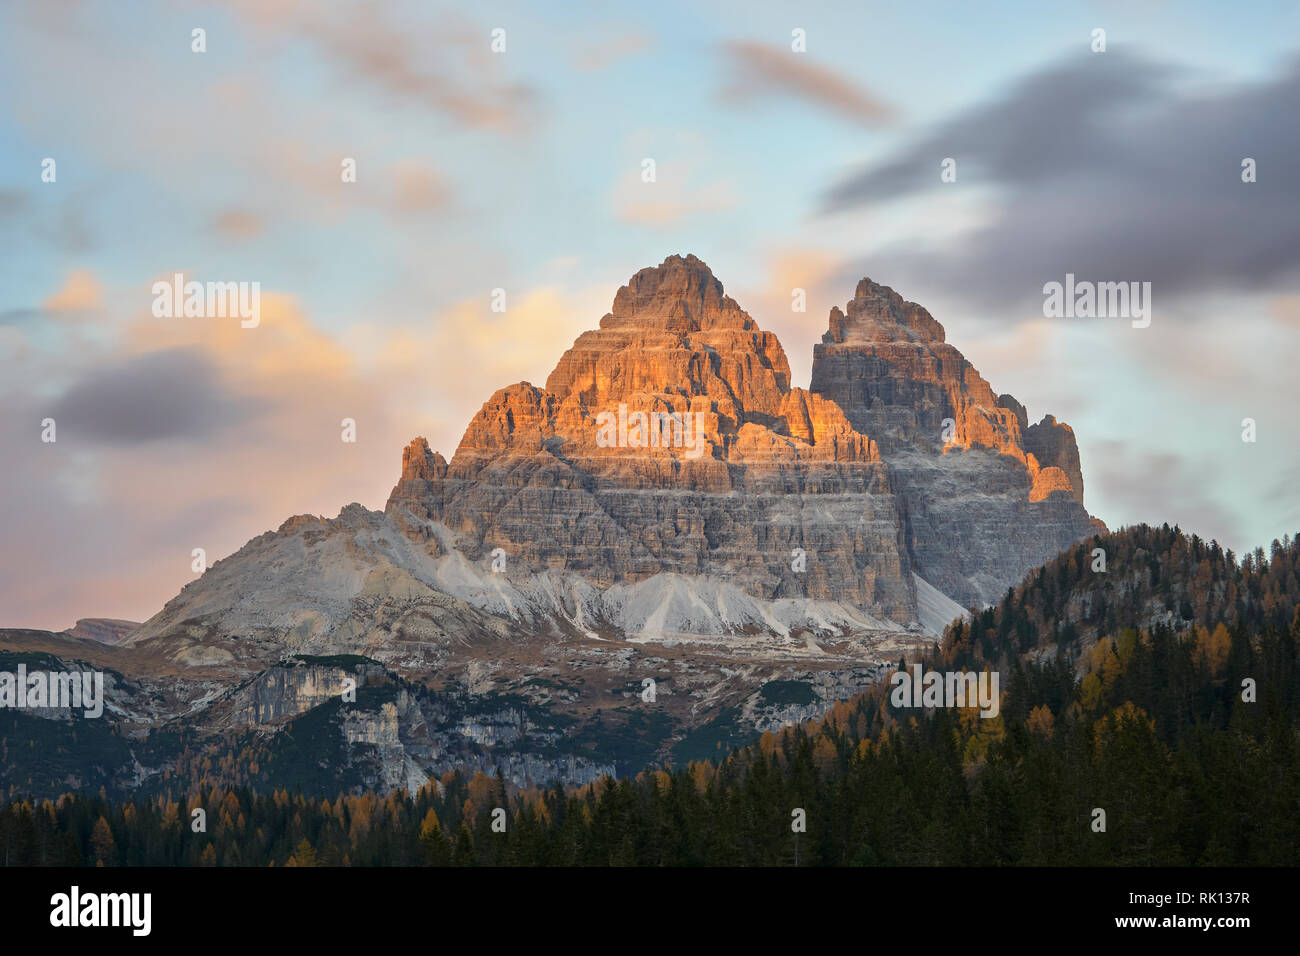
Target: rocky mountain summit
[
  {"x": 665, "y": 549},
  {"x": 768, "y": 469},
  {"x": 900, "y": 459},
  {"x": 984, "y": 495}
]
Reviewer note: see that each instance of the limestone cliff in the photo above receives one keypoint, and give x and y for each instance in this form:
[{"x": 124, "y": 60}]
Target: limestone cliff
[
  {"x": 669, "y": 440},
  {"x": 709, "y": 463},
  {"x": 985, "y": 496}
]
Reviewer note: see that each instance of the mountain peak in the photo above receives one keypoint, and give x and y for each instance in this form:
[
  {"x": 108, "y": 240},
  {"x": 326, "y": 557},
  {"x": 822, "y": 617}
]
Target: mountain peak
[
  {"x": 681, "y": 294},
  {"x": 940, "y": 427},
  {"x": 419, "y": 462},
  {"x": 877, "y": 313}
]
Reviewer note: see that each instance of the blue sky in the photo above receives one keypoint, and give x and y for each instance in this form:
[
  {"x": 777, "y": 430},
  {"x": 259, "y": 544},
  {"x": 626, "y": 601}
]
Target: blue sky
[{"x": 521, "y": 170}]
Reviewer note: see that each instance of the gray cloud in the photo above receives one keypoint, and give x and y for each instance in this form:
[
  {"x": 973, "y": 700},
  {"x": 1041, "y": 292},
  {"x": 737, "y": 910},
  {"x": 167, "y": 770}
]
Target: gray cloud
[
  {"x": 61, "y": 223},
  {"x": 760, "y": 70},
  {"x": 1109, "y": 168},
  {"x": 12, "y": 202},
  {"x": 1161, "y": 486},
  {"x": 18, "y": 316},
  {"x": 1281, "y": 501},
  {"x": 174, "y": 394}
]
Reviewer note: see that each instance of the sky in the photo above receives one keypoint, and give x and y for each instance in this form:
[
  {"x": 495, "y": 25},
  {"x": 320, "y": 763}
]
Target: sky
[{"x": 520, "y": 169}]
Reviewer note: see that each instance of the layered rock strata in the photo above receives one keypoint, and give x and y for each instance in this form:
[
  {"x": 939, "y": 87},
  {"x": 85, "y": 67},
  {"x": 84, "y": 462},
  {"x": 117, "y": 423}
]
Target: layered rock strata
[
  {"x": 985, "y": 496},
  {"x": 670, "y": 440}
]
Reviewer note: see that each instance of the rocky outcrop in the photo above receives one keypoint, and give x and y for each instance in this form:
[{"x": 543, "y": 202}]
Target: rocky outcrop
[
  {"x": 421, "y": 464},
  {"x": 103, "y": 630},
  {"x": 985, "y": 496},
  {"x": 669, "y": 440},
  {"x": 280, "y": 693},
  {"x": 1053, "y": 444},
  {"x": 884, "y": 361}
]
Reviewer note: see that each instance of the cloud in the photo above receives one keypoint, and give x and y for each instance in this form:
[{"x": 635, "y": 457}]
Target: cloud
[
  {"x": 1157, "y": 486},
  {"x": 771, "y": 301},
  {"x": 444, "y": 65},
  {"x": 80, "y": 297},
  {"x": 81, "y": 292},
  {"x": 1109, "y": 167},
  {"x": 759, "y": 70},
  {"x": 1282, "y": 503},
  {"x": 172, "y": 394},
  {"x": 61, "y": 224},
  {"x": 675, "y": 196},
  {"x": 1286, "y": 309},
  {"x": 12, "y": 202},
  {"x": 238, "y": 224},
  {"x": 445, "y": 368},
  {"x": 416, "y": 188},
  {"x": 17, "y": 316},
  {"x": 610, "y": 50}
]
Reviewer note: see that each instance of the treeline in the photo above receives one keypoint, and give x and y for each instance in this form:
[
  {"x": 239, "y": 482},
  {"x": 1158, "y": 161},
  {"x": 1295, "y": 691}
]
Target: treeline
[{"x": 1170, "y": 739}]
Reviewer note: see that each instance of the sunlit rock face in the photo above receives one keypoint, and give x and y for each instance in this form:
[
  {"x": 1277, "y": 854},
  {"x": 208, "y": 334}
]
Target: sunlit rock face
[
  {"x": 708, "y": 463},
  {"x": 669, "y": 440}
]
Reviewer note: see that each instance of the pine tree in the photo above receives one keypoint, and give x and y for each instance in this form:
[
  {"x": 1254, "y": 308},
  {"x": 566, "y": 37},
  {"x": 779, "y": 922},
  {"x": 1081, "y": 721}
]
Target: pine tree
[
  {"x": 303, "y": 854},
  {"x": 102, "y": 843}
]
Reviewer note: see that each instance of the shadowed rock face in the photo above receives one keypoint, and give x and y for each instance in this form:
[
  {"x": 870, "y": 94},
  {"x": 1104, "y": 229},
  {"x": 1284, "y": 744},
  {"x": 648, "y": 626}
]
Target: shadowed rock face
[
  {"x": 761, "y": 469},
  {"x": 887, "y": 365},
  {"x": 985, "y": 499}
]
